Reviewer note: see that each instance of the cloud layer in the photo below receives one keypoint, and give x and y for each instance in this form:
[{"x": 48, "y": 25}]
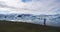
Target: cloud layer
[
  {"x": 31, "y": 7},
  {"x": 44, "y": 6}
]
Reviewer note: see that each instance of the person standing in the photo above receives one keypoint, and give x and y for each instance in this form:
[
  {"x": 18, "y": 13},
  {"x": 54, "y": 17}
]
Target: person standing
[{"x": 44, "y": 22}]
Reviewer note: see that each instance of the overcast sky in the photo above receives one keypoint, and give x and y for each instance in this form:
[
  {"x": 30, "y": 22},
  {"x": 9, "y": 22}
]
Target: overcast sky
[{"x": 30, "y": 6}]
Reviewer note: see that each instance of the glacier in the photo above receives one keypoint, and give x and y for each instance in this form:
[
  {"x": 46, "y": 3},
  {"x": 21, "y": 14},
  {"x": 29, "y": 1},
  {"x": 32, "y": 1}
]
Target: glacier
[{"x": 51, "y": 20}]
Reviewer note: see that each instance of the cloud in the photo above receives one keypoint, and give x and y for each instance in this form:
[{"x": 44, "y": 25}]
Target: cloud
[
  {"x": 33, "y": 7},
  {"x": 43, "y": 6}
]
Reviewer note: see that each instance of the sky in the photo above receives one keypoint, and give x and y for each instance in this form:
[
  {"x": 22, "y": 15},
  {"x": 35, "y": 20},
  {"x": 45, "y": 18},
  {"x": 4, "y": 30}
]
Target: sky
[{"x": 36, "y": 7}]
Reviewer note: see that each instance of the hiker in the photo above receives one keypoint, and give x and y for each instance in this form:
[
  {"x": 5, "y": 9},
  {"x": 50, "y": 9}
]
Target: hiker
[{"x": 44, "y": 21}]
